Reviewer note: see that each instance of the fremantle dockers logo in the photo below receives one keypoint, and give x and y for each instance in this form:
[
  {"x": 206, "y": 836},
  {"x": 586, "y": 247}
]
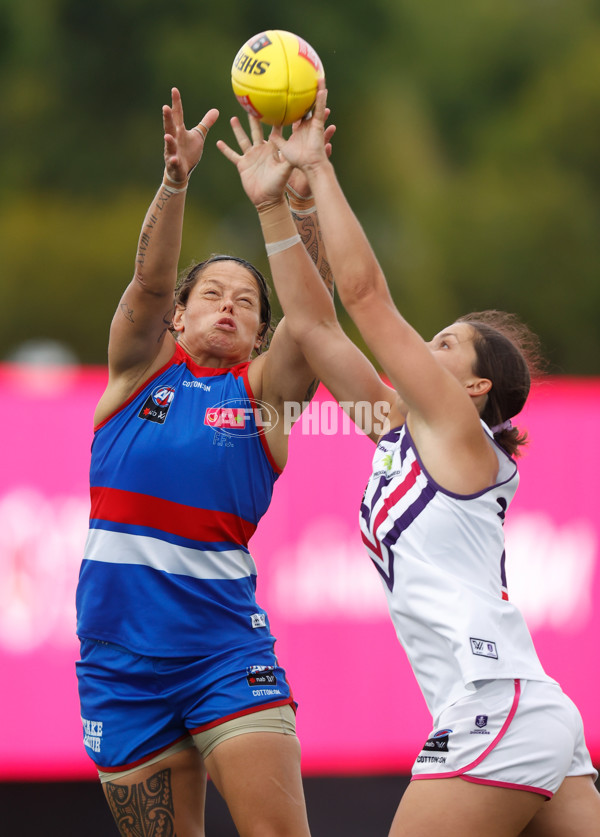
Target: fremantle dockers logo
[
  {"x": 235, "y": 417},
  {"x": 484, "y": 648}
]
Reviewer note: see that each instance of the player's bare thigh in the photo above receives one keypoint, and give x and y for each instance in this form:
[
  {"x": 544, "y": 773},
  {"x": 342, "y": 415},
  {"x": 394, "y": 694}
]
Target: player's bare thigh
[
  {"x": 171, "y": 791},
  {"x": 573, "y": 811},
  {"x": 457, "y": 808},
  {"x": 258, "y": 775}
]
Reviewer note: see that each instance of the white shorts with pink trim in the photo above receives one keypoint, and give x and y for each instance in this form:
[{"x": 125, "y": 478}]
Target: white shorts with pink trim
[{"x": 520, "y": 734}]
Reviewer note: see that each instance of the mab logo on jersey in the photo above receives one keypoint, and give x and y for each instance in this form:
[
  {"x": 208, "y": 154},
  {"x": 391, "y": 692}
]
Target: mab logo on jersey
[{"x": 157, "y": 405}]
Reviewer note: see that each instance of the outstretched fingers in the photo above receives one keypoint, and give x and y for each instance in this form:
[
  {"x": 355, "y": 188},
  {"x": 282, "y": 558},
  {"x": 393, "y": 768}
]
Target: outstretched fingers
[
  {"x": 320, "y": 110},
  {"x": 176, "y": 106},
  {"x": 183, "y": 148},
  {"x": 245, "y": 143},
  {"x": 329, "y": 132},
  {"x": 168, "y": 120},
  {"x": 256, "y": 131},
  {"x": 207, "y": 121},
  {"x": 240, "y": 134},
  {"x": 228, "y": 152}
]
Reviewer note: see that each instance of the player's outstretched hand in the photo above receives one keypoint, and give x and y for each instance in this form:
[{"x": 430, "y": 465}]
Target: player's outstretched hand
[
  {"x": 262, "y": 169},
  {"x": 298, "y": 181},
  {"x": 308, "y": 146},
  {"x": 183, "y": 147}
]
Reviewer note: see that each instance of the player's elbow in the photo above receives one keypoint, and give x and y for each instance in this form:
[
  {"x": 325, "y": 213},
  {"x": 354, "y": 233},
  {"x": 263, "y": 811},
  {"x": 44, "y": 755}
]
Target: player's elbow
[
  {"x": 309, "y": 333},
  {"x": 359, "y": 288},
  {"x": 153, "y": 283}
]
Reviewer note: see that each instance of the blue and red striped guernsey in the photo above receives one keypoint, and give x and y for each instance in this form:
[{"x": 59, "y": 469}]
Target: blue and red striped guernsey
[{"x": 180, "y": 476}]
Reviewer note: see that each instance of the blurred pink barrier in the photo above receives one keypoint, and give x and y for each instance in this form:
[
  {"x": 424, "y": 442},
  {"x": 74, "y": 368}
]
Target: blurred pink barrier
[{"x": 360, "y": 710}]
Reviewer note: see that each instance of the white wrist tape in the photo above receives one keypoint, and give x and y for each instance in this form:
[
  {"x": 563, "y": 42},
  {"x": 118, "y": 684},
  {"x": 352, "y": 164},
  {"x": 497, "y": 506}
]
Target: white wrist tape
[
  {"x": 309, "y": 211},
  {"x": 279, "y": 246},
  {"x": 172, "y": 190},
  {"x": 296, "y": 194}
]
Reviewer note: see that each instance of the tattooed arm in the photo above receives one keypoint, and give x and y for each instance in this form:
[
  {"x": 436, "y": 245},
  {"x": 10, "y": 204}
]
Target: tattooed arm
[
  {"x": 140, "y": 342},
  {"x": 307, "y": 223},
  {"x": 304, "y": 213}
]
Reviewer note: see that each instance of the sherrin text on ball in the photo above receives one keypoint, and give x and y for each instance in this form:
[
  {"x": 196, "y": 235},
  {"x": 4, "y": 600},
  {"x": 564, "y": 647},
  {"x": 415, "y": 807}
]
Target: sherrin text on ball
[{"x": 274, "y": 77}]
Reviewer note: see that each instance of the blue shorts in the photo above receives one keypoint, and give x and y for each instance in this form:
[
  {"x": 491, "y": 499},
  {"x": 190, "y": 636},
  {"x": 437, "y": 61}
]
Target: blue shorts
[{"x": 132, "y": 706}]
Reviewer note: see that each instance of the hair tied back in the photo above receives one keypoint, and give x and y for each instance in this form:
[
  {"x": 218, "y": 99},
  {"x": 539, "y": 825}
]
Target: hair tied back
[{"x": 498, "y": 428}]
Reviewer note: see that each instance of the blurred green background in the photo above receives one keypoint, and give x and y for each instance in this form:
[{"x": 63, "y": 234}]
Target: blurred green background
[{"x": 467, "y": 144}]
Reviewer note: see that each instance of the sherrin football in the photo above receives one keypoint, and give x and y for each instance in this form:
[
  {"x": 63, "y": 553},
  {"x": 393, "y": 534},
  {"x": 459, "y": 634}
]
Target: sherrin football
[{"x": 274, "y": 77}]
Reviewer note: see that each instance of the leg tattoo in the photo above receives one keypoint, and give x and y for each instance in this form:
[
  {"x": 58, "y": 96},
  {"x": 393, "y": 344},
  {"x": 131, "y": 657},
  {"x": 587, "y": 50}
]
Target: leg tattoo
[{"x": 145, "y": 809}]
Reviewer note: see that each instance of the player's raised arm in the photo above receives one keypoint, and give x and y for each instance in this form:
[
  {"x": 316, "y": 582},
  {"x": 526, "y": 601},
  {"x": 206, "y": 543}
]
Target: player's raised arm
[
  {"x": 362, "y": 286},
  {"x": 304, "y": 210},
  {"x": 310, "y": 318},
  {"x": 139, "y": 337}
]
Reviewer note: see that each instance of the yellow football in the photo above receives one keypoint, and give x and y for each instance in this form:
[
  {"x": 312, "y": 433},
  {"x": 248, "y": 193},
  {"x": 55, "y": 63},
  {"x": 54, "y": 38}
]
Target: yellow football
[{"x": 274, "y": 77}]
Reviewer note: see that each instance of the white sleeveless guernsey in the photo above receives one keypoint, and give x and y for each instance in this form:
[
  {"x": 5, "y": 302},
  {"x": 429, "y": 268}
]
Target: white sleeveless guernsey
[{"x": 441, "y": 557}]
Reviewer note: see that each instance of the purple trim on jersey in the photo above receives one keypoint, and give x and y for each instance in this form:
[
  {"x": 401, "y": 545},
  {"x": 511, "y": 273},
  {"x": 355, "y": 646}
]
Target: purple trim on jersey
[
  {"x": 389, "y": 436},
  {"x": 401, "y": 523},
  {"x": 407, "y": 517},
  {"x": 407, "y": 442},
  {"x": 503, "y": 576},
  {"x": 452, "y": 493}
]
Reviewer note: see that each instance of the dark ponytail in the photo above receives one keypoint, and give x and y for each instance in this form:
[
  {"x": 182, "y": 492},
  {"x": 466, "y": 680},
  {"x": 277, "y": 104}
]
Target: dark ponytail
[{"x": 508, "y": 353}]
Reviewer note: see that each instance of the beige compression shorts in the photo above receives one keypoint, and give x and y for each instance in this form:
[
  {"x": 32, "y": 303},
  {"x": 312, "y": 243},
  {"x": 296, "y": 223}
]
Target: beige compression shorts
[{"x": 280, "y": 719}]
